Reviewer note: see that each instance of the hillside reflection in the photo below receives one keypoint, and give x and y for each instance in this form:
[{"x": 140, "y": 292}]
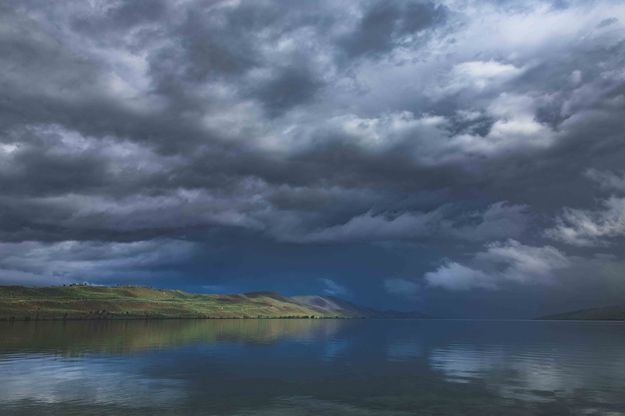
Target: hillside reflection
[{"x": 70, "y": 338}]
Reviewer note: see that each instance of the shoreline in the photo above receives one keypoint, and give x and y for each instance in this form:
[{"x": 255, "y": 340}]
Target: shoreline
[{"x": 181, "y": 318}]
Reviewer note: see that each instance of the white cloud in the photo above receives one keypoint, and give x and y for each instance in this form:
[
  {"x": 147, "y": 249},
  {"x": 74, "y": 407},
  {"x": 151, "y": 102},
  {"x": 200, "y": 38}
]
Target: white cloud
[
  {"x": 515, "y": 129},
  {"x": 594, "y": 227},
  {"x": 523, "y": 264},
  {"x": 581, "y": 227},
  {"x": 455, "y": 276},
  {"x": 481, "y": 74},
  {"x": 500, "y": 263},
  {"x": 426, "y": 139}
]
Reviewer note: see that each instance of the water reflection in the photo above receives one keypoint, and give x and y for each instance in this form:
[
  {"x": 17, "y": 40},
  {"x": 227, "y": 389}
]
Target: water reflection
[
  {"x": 543, "y": 362},
  {"x": 301, "y": 367},
  {"x": 49, "y": 381},
  {"x": 75, "y": 337}
]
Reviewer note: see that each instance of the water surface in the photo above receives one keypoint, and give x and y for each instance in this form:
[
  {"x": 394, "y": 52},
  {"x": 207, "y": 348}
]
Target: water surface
[{"x": 312, "y": 367}]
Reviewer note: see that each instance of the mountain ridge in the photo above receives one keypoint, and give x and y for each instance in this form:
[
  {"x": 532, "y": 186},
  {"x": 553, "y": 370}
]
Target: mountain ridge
[{"x": 602, "y": 313}]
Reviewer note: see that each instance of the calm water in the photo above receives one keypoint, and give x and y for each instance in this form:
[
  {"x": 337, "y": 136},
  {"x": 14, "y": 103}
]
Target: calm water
[{"x": 308, "y": 367}]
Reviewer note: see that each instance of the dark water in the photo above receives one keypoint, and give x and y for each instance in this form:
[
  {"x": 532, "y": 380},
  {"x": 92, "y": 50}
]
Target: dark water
[{"x": 311, "y": 367}]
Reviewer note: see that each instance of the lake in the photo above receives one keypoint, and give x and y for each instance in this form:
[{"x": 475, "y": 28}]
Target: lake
[{"x": 312, "y": 367}]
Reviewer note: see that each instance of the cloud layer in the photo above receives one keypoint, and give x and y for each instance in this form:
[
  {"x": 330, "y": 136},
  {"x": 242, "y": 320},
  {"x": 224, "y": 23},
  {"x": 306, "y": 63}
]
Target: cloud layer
[{"x": 429, "y": 130}]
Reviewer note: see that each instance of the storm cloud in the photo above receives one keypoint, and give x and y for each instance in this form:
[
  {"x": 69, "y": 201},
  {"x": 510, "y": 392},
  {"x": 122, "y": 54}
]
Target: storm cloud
[{"x": 364, "y": 148}]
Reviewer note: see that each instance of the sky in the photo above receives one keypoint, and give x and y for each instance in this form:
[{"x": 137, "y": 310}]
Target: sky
[{"x": 461, "y": 157}]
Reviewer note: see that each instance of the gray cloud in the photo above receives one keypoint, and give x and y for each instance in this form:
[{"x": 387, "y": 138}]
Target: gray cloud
[
  {"x": 403, "y": 287},
  {"x": 381, "y": 26},
  {"x": 496, "y": 221},
  {"x": 332, "y": 288},
  {"x": 607, "y": 180},
  {"x": 64, "y": 262}
]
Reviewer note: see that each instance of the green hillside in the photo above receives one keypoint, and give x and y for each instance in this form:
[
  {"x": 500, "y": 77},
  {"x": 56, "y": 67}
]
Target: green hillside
[{"x": 135, "y": 302}]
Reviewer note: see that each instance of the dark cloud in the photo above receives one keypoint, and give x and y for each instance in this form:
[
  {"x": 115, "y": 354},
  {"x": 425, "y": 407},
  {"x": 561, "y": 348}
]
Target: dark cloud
[
  {"x": 287, "y": 88},
  {"x": 371, "y": 144},
  {"x": 384, "y": 25}
]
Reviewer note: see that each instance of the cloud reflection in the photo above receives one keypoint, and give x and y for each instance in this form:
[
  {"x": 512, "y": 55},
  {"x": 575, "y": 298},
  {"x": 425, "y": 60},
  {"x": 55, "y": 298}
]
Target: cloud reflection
[
  {"x": 533, "y": 374},
  {"x": 47, "y": 379}
]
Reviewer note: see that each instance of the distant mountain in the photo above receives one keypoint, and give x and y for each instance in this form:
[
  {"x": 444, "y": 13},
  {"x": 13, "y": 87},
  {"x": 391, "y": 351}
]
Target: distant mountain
[
  {"x": 607, "y": 313},
  {"x": 392, "y": 314},
  {"x": 331, "y": 304},
  {"x": 136, "y": 302}
]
